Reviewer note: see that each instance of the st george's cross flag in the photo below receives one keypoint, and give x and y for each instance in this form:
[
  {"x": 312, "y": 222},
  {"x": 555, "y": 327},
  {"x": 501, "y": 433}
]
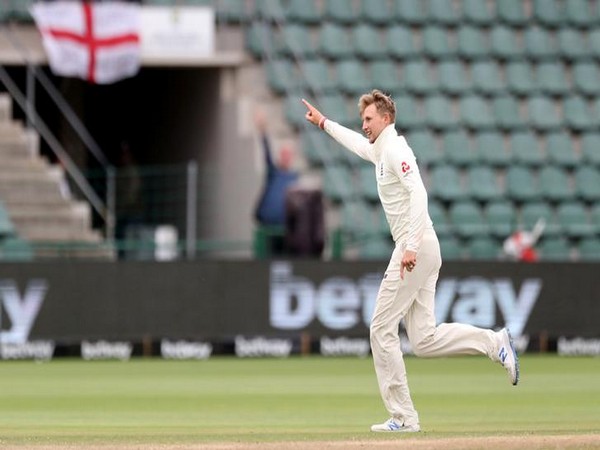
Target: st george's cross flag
[{"x": 99, "y": 42}]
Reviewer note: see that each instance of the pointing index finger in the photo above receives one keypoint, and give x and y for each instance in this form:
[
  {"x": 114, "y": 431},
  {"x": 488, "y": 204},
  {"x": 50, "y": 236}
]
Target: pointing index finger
[{"x": 308, "y": 105}]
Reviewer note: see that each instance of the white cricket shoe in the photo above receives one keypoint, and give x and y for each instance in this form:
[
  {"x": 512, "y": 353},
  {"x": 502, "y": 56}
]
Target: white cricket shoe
[
  {"x": 507, "y": 355},
  {"x": 392, "y": 425}
]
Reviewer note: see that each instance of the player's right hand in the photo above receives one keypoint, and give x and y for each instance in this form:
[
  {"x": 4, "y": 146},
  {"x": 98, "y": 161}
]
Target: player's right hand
[{"x": 313, "y": 115}]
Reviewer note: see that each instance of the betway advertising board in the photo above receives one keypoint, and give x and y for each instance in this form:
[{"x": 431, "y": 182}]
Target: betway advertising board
[{"x": 190, "y": 309}]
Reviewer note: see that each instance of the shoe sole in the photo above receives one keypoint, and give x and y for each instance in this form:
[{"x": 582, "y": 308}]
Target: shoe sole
[{"x": 515, "y": 355}]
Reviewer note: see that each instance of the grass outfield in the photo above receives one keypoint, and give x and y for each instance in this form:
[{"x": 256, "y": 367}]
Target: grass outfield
[{"x": 151, "y": 402}]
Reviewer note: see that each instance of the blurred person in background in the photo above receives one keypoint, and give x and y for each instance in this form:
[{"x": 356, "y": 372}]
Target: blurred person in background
[
  {"x": 520, "y": 246},
  {"x": 407, "y": 290},
  {"x": 128, "y": 194}
]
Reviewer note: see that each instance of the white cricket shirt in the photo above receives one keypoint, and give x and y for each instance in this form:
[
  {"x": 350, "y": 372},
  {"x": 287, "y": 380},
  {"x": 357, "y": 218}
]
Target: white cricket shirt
[{"x": 399, "y": 184}]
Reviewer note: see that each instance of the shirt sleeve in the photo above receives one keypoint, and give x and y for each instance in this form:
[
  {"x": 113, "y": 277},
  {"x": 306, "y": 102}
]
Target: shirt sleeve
[
  {"x": 404, "y": 165},
  {"x": 353, "y": 141}
]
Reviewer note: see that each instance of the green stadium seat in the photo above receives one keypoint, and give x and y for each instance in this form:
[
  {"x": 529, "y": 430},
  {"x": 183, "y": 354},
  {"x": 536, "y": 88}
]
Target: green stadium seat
[
  {"x": 418, "y": 77},
  {"x": 446, "y": 184},
  {"x": 259, "y": 39},
  {"x": 554, "y": 249},
  {"x": 443, "y": 13},
  {"x": 520, "y": 184},
  {"x": 578, "y": 115},
  {"x": 594, "y": 42},
  {"x": 587, "y": 183},
  {"x": 574, "y": 220},
  {"x": 579, "y": 13},
  {"x": 377, "y": 248},
  {"x": 304, "y": 11},
  {"x": 590, "y": 148},
  {"x": 438, "y": 113},
  {"x": 532, "y": 212},
  {"x": 352, "y": 77},
  {"x": 410, "y": 12},
  {"x": 477, "y": 13},
  {"x": 338, "y": 183},
  {"x": 487, "y": 78},
  {"x": 14, "y": 249},
  {"x": 294, "y": 112},
  {"x": 408, "y": 115},
  {"x": 520, "y": 78},
  {"x": 467, "y": 219},
  {"x": 385, "y": 75},
  {"x": 334, "y": 105},
  {"x": 357, "y": 219},
  {"x": 501, "y": 218},
  {"x": 423, "y": 145},
  {"x": 233, "y": 11},
  {"x": 377, "y": 12},
  {"x": 572, "y": 45},
  {"x": 525, "y": 149},
  {"x": 457, "y": 149},
  {"x": 6, "y": 226},
  {"x": 451, "y": 248},
  {"x": 543, "y": 114},
  {"x": 588, "y": 249},
  {"x": 504, "y": 44},
  {"x": 453, "y": 78},
  {"x": 586, "y": 78},
  {"x": 339, "y": 11},
  {"x": 483, "y": 248},
  {"x": 438, "y": 216},
  {"x": 595, "y": 215},
  {"x": 295, "y": 41},
  {"x": 368, "y": 182},
  {"x": 476, "y": 113},
  {"x": 551, "y": 79},
  {"x": 436, "y": 43},
  {"x": 507, "y": 113},
  {"x": 368, "y": 42},
  {"x": 554, "y": 184},
  {"x": 491, "y": 149},
  {"x": 271, "y": 10},
  {"x": 561, "y": 151},
  {"x": 316, "y": 76},
  {"x": 472, "y": 42},
  {"x": 511, "y": 12},
  {"x": 317, "y": 149},
  {"x": 335, "y": 42},
  {"x": 281, "y": 75},
  {"x": 399, "y": 42},
  {"x": 483, "y": 184},
  {"x": 539, "y": 44},
  {"x": 548, "y": 13},
  {"x": 382, "y": 226}
]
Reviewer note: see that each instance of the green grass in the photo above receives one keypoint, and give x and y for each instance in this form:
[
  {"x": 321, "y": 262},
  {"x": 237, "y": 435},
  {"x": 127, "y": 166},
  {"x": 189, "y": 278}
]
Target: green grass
[{"x": 225, "y": 399}]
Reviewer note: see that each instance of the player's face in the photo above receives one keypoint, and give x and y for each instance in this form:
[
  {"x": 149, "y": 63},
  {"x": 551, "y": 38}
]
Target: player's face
[{"x": 373, "y": 122}]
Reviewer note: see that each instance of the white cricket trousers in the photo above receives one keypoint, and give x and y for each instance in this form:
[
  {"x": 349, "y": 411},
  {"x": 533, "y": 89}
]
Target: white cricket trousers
[{"x": 412, "y": 299}]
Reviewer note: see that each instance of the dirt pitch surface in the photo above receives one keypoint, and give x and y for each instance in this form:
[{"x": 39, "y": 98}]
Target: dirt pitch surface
[{"x": 528, "y": 442}]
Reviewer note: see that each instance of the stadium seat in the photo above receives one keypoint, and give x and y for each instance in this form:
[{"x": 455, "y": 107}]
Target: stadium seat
[
  {"x": 377, "y": 12},
  {"x": 511, "y": 12},
  {"x": 554, "y": 184},
  {"x": 521, "y": 186},
  {"x": 483, "y": 248},
  {"x": 577, "y": 114},
  {"x": 385, "y": 76},
  {"x": 424, "y": 146},
  {"x": 548, "y": 13},
  {"x": 525, "y": 149},
  {"x": 317, "y": 149},
  {"x": 438, "y": 113},
  {"x": 594, "y": 42},
  {"x": 281, "y": 75},
  {"x": 304, "y": 11},
  {"x": 588, "y": 249},
  {"x": 574, "y": 220},
  {"x": 539, "y": 44},
  {"x": 451, "y": 248},
  {"x": 453, "y": 78},
  {"x": 560, "y": 150},
  {"x": 377, "y": 248},
  {"x": 551, "y": 79},
  {"x": 295, "y": 41},
  {"x": 334, "y": 42},
  {"x": 368, "y": 42},
  {"x": 438, "y": 216},
  {"x": 446, "y": 184},
  {"x": 483, "y": 184},
  {"x": 408, "y": 114},
  {"x": 543, "y": 114},
  {"x": 233, "y": 11},
  {"x": 271, "y": 10},
  {"x": 339, "y": 11},
  {"x": 317, "y": 77},
  {"x": 554, "y": 249},
  {"x": 436, "y": 43},
  {"x": 586, "y": 78},
  {"x": 477, "y": 13},
  {"x": 336, "y": 107},
  {"x": 368, "y": 182},
  {"x": 579, "y": 13},
  {"x": 259, "y": 39},
  {"x": 520, "y": 78},
  {"x": 572, "y": 45},
  {"x": 507, "y": 113},
  {"x": 443, "y": 13},
  {"x": 14, "y": 249},
  {"x": 472, "y": 42},
  {"x": 410, "y": 12},
  {"x": 457, "y": 149},
  {"x": 399, "y": 42},
  {"x": 6, "y": 226},
  {"x": 294, "y": 112},
  {"x": 418, "y": 77},
  {"x": 467, "y": 219},
  {"x": 532, "y": 212},
  {"x": 357, "y": 219},
  {"x": 491, "y": 149},
  {"x": 352, "y": 77},
  {"x": 382, "y": 226},
  {"x": 504, "y": 44},
  {"x": 487, "y": 78},
  {"x": 587, "y": 183},
  {"x": 501, "y": 218},
  {"x": 476, "y": 113},
  {"x": 590, "y": 148},
  {"x": 338, "y": 183}
]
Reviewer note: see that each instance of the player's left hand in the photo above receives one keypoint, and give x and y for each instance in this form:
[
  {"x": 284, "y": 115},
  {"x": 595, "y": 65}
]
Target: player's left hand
[{"x": 409, "y": 261}]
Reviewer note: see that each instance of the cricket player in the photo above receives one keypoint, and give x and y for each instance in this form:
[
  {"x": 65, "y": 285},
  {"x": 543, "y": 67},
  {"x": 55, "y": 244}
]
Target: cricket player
[{"x": 408, "y": 286}]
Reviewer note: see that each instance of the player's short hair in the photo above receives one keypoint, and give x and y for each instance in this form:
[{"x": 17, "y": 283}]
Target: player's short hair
[{"x": 383, "y": 103}]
